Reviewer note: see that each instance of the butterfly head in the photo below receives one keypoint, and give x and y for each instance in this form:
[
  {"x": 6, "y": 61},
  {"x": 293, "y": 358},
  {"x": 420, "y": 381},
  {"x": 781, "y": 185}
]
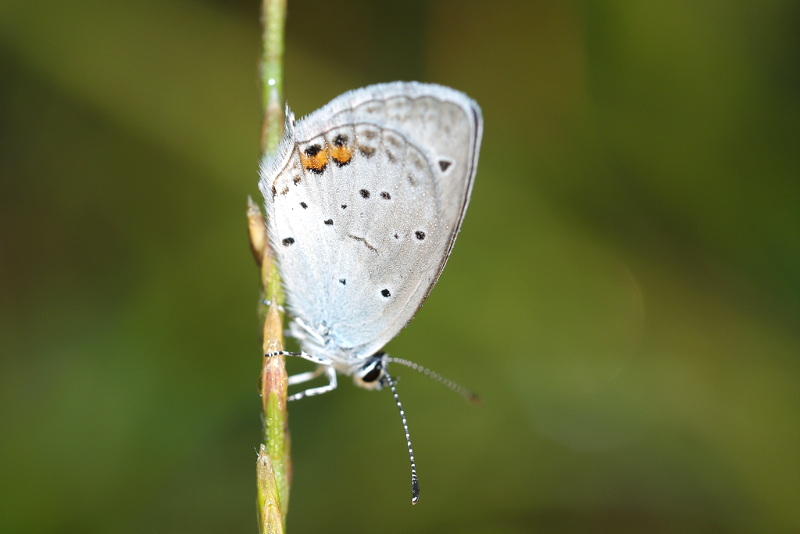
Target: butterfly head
[{"x": 372, "y": 373}]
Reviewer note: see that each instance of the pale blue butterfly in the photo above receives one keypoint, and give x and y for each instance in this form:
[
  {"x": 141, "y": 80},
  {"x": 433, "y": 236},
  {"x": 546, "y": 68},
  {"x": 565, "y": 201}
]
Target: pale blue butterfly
[{"x": 364, "y": 200}]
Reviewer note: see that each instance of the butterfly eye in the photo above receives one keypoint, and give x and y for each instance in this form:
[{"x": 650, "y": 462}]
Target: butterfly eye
[{"x": 372, "y": 371}]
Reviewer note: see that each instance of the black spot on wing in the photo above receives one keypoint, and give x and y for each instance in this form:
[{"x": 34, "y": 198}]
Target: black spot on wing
[{"x": 313, "y": 150}]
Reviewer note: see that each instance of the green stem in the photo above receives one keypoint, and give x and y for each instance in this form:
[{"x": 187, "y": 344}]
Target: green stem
[
  {"x": 273, "y": 20},
  {"x": 274, "y": 461}
]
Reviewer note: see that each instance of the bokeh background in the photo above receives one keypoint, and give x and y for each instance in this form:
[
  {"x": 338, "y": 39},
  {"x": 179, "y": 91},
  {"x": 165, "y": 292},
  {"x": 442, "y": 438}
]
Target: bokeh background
[{"x": 625, "y": 292}]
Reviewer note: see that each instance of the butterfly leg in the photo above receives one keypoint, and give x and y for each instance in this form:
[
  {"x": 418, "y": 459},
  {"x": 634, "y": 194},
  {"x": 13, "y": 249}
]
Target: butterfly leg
[
  {"x": 307, "y": 376},
  {"x": 306, "y": 356},
  {"x": 329, "y": 371},
  {"x": 323, "y": 367}
]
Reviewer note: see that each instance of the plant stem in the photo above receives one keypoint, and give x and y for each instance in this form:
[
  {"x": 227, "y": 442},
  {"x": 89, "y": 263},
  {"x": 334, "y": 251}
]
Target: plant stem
[
  {"x": 274, "y": 467},
  {"x": 273, "y": 18}
]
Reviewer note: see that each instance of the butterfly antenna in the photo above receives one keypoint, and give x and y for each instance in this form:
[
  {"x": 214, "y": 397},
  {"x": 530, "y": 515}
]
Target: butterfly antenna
[
  {"x": 458, "y": 388},
  {"x": 414, "y": 480}
]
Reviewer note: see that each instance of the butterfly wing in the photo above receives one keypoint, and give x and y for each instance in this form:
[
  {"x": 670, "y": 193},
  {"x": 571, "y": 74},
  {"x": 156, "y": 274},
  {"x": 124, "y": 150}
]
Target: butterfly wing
[{"x": 364, "y": 200}]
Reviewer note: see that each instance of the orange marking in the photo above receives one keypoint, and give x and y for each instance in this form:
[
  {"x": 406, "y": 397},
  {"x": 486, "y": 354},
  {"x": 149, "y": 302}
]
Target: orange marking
[
  {"x": 341, "y": 154},
  {"x": 316, "y": 163}
]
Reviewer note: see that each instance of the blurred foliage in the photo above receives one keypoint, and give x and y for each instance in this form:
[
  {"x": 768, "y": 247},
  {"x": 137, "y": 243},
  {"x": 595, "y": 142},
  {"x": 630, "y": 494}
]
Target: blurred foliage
[{"x": 624, "y": 293}]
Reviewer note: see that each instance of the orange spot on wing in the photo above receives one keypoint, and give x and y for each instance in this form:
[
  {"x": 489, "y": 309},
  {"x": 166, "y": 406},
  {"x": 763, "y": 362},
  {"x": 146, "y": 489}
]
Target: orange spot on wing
[
  {"x": 341, "y": 154},
  {"x": 316, "y": 163}
]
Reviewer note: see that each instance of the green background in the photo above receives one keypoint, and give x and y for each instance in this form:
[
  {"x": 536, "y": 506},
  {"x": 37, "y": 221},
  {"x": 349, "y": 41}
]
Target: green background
[{"x": 625, "y": 292}]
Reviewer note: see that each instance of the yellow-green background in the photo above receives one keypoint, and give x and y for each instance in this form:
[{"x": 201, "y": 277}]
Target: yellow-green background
[{"x": 625, "y": 292}]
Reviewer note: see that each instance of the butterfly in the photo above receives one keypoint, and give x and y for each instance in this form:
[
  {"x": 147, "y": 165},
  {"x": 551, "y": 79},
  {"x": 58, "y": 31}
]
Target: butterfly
[{"x": 364, "y": 200}]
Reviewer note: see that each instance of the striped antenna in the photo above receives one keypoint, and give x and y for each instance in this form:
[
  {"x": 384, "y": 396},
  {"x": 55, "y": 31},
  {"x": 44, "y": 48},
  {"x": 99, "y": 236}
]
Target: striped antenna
[
  {"x": 454, "y": 386},
  {"x": 414, "y": 480}
]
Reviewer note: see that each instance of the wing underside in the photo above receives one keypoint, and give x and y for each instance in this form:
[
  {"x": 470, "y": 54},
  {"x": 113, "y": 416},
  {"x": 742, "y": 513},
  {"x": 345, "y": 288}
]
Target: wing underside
[{"x": 364, "y": 200}]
